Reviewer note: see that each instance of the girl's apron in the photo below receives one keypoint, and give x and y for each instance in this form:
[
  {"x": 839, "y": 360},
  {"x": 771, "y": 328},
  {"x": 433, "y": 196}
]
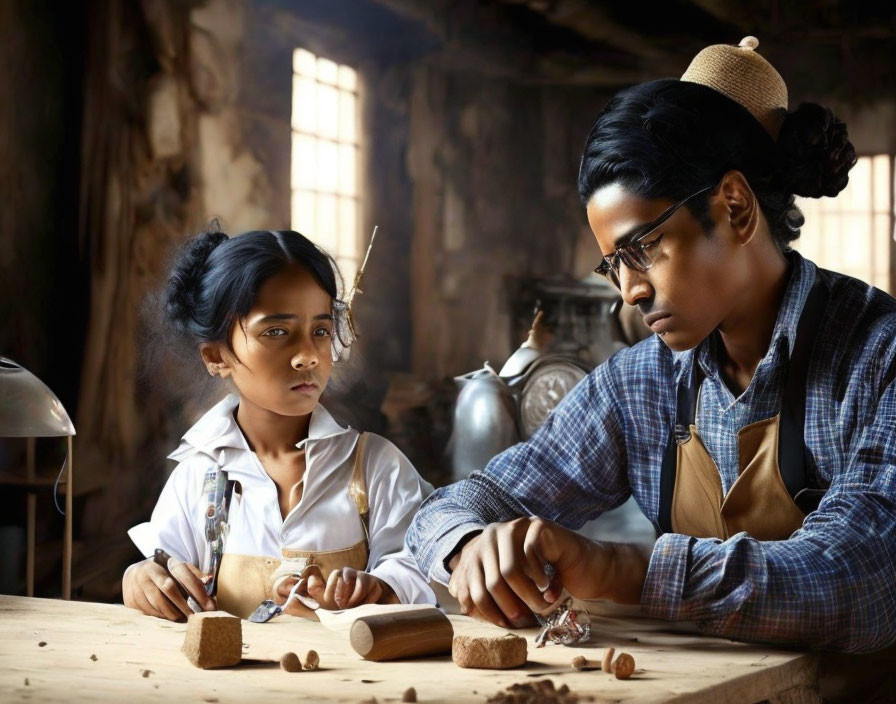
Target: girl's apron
[
  {"x": 771, "y": 495},
  {"x": 244, "y": 581}
]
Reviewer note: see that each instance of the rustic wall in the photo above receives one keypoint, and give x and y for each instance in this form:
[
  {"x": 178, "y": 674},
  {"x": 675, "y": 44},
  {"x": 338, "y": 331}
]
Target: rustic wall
[{"x": 494, "y": 168}]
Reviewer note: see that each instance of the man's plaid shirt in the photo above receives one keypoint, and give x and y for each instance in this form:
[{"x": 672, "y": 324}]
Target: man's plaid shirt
[{"x": 832, "y": 584}]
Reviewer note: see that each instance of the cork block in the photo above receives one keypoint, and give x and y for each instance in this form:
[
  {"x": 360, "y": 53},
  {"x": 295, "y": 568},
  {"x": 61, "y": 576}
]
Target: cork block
[
  {"x": 489, "y": 653},
  {"x": 214, "y": 639}
]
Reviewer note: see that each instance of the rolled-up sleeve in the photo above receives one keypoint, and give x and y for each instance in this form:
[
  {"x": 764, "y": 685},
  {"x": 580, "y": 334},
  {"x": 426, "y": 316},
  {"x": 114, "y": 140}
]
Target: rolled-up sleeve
[{"x": 831, "y": 585}]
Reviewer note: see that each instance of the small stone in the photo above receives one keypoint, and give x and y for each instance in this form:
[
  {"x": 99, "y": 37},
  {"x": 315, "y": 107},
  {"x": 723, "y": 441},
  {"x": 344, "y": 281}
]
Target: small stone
[
  {"x": 42, "y": 644},
  {"x": 94, "y": 657},
  {"x": 146, "y": 673},
  {"x": 290, "y": 662},
  {"x": 27, "y": 682},
  {"x": 410, "y": 695},
  {"x": 579, "y": 662}
]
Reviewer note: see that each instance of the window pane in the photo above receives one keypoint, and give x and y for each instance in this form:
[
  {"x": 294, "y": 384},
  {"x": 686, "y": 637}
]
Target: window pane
[
  {"x": 347, "y": 171},
  {"x": 348, "y": 227},
  {"x": 347, "y": 117},
  {"x": 856, "y": 245},
  {"x": 303, "y": 92},
  {"x": 348, "y": 79},
  {"x": 881, "y": 176},
  {"x": 304, "y": 161},
  {"x": 303, "y": 213},
  {"x": 327, "y": 235},
  {"x": 303, "y": 62},
  {"x": 348, "y": 266},
  {"x": 327, "y": 111},
  {"x": 327, "y": 165},
  {"x": 856, "y": 197},
  {"x": 882, "y": 243},
  {"x": 326, "y": 71}
]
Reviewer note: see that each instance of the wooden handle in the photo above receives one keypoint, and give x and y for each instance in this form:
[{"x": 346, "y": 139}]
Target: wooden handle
[{"x": 407, "y": 634}]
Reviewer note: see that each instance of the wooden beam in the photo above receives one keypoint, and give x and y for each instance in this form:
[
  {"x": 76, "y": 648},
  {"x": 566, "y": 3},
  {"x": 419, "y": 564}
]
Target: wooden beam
[
  {"x": 731, "y": 13},
  {"x": 481, "y": 38},
  {"x": 593, "y": 21}
]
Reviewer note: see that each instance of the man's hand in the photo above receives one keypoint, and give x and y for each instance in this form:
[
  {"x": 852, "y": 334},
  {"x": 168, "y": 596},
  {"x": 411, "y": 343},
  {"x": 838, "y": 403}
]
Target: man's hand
[
  {"x": 343, "y": 589},
  {"x": 146, "y": 586},
  {"x": 500, "y": 574}
]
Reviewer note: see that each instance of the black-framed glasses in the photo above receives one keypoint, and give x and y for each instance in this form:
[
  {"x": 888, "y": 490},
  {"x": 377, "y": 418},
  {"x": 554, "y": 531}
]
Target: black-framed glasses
[{"x": 638, "y": 254}]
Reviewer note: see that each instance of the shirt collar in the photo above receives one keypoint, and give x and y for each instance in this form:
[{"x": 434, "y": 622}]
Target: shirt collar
[{"x": 218, "y": 431}]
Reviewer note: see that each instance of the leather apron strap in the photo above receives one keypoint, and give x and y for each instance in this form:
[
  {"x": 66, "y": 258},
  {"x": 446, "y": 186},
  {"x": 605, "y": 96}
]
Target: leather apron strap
[{"x": 766, "y": 465}]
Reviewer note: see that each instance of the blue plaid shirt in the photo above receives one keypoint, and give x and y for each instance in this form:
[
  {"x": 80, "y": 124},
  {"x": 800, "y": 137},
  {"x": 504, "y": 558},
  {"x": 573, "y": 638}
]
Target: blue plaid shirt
[{"x": 831, "y": 585}]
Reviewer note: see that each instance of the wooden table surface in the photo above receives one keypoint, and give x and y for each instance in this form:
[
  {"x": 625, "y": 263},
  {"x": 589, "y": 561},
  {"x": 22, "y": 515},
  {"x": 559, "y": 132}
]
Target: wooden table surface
[{"x": 69, "y": 651}]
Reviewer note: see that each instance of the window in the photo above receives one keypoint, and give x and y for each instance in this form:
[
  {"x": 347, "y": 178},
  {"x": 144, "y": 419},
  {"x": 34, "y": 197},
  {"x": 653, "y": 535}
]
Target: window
[
  {"x": 325, "y": 150},
  {"x": 853, "y": 233}
]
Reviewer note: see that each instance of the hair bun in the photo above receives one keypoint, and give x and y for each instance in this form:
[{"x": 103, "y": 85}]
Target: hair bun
[
  {"x": 815, "y": 154},
  {"x": 186, "y": 278}
]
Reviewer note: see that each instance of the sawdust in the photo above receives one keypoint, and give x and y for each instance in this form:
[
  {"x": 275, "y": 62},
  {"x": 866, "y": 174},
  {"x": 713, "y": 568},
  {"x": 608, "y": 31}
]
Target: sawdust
[{"x": 542, "y": 692}]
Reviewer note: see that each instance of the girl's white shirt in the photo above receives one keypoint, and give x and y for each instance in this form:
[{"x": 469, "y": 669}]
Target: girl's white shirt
[{"x": 326, "y": 517}]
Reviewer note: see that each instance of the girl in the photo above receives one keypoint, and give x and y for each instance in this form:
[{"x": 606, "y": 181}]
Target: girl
[{"x": 267, "y": 473}]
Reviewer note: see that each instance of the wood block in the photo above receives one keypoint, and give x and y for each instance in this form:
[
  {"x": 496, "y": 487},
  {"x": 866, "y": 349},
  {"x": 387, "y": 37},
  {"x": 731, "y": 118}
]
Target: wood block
[
  {"x": 214, "y": 639},
  {"x": 401, "y": 634},
  {"x": 490, "y": 653}
]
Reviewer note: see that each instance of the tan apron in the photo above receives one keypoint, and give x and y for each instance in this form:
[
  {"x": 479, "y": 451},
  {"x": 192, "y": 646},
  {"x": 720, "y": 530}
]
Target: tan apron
[
  {"x": 758, "y": 501},
  {"x": 244, "y": 581},
  {"x": 771, "y": 495}
]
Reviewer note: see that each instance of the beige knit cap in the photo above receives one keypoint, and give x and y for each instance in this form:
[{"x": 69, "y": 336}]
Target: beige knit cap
[{"x": 741, "y": 74}]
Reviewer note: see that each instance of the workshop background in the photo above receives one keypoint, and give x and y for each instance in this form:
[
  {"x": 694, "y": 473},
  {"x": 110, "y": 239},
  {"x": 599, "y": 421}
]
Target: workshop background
[{"x": 454, "y": 126}]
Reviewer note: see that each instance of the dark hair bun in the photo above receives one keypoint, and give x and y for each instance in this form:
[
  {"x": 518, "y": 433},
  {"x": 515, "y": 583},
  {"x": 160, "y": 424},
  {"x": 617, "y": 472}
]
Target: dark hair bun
[
  {"x": 815, "y": 152},
  {"x": 186, "y": 278}
]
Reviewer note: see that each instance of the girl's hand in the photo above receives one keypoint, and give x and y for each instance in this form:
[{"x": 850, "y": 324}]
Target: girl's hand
[
  {"x": 147, "y": 587},
  {"x": 348, "y": 587}
]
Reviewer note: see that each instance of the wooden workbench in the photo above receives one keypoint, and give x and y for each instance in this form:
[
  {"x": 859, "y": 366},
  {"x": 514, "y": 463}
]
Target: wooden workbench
[{"x": 75, "y": 651}]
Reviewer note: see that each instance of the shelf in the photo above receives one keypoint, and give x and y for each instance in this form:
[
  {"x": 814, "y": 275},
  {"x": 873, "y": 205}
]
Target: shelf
[{"x": 18, "y": 480}]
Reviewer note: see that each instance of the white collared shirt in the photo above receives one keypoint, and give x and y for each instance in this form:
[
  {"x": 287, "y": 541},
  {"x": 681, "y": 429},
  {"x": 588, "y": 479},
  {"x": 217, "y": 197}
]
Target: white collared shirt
[{"x": 326, "y": 517}]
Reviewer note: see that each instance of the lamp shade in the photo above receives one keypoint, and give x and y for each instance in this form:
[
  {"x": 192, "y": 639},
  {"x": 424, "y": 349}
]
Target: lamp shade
[{"x": 27, "y": 407}]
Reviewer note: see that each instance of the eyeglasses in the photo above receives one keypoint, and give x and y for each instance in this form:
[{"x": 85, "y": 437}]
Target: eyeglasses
[{"x": 638, "y": 254}]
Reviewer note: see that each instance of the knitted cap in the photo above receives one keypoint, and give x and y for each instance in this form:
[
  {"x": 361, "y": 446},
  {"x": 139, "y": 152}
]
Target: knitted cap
[{"x": 742, "y": 75}]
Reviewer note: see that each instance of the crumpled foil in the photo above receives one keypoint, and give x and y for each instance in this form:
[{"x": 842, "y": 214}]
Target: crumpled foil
[{"x": 564, "y": 625}]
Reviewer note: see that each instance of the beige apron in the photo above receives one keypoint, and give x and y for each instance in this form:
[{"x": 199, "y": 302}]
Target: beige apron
[
  {"x": 244, "y": 581},
  {"x": 758, "y": 501}
]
